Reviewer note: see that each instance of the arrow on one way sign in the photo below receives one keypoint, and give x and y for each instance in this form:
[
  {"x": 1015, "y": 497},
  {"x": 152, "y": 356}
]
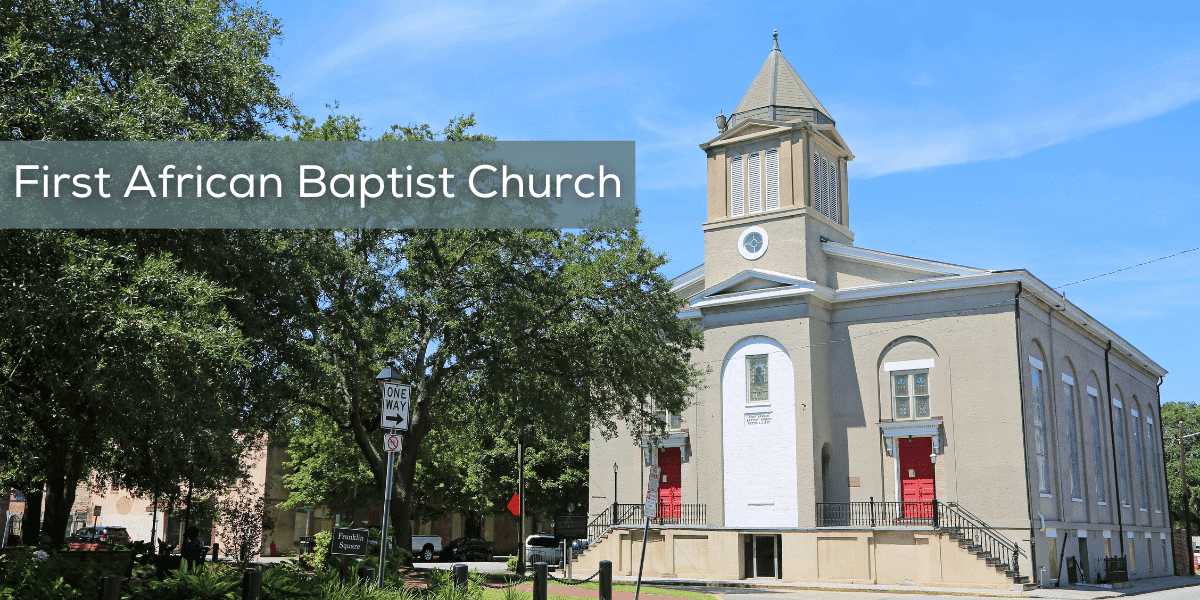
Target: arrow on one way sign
[{"x": 395, "y": 406}]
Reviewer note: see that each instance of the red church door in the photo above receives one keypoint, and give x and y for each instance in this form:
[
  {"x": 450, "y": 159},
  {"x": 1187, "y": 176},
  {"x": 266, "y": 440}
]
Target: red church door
[
  {"x": 668, "y": 486},
  {"x": 916, "y": 477}
]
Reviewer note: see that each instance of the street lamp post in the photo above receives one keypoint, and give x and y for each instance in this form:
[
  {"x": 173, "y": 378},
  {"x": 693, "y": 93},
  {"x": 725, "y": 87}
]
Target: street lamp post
[{"x": 614, "y": 494}]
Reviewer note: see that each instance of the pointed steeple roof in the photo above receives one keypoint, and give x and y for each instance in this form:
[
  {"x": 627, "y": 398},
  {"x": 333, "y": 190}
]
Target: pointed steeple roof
[{"x": 778, "y": 94}]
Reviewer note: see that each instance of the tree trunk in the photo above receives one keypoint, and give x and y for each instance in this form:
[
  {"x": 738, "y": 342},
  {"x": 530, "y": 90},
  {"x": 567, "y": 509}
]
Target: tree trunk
[
  {"x": 61, "y": 478},
  {"x": 31, "y": 522},
  {"x": 60, "y": 496}
]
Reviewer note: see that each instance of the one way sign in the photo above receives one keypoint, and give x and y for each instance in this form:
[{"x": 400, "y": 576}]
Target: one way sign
[{"x": 395, "y": 406}]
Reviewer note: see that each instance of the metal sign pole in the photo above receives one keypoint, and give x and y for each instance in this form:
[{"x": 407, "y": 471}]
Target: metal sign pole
[
  {"x": 650, "y": 510},
  {"x": 387, "y": 505}
]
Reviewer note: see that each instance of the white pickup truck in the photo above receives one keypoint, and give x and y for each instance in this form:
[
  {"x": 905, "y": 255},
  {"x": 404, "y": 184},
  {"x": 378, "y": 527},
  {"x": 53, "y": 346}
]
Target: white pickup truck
[{"x": 426, "y": 547}]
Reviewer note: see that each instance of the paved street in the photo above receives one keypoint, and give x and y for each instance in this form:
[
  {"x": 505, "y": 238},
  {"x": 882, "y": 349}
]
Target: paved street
[{"x": 498, "y": 565}]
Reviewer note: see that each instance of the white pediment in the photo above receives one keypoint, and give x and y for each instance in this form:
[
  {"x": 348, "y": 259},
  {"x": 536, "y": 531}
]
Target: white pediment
[{"x": 754, "y": 284}]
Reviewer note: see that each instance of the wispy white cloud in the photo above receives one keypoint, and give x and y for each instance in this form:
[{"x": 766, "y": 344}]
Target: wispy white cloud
[
  {"x": 894, "y": 140},
  {"x": 440, "y": 27},
  {"x": 670, "y": 157}
]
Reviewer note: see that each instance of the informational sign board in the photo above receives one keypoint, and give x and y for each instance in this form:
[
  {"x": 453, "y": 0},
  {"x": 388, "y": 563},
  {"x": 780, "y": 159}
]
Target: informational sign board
[
  {"x": 348, "y": 541},
  {"x": 395, "y": 406},
  {"x": 571, "y": 527},
  {"x": 392, "y": 442},
  {"x": 652, "y": 492}
]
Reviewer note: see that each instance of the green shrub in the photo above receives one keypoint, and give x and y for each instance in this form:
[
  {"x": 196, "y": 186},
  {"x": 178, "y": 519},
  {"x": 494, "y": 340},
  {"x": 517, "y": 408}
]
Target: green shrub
[
  {"x": 512, "y": 563},
  {"x": 206, "y": 582},
  {"x": 441, "y": 583},
  {"x": 31, "y": 574}
]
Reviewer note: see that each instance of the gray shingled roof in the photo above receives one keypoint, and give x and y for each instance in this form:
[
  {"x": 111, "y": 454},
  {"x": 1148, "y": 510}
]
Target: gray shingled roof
[{"x": 777, "y": 85}]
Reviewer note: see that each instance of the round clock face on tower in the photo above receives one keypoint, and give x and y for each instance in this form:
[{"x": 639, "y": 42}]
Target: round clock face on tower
[{"x": 752, "y": 244}]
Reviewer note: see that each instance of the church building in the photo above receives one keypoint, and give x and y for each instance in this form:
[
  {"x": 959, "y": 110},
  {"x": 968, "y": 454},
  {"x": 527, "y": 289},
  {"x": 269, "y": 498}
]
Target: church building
[{"x": 868, "y": 417}]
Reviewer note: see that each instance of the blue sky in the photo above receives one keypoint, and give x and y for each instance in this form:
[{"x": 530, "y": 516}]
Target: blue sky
[{"x": 1056, "y": 137}]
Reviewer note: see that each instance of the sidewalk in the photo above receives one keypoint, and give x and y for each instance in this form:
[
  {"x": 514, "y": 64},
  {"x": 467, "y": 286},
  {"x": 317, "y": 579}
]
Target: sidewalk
[{"x": 1140, "y": 586}]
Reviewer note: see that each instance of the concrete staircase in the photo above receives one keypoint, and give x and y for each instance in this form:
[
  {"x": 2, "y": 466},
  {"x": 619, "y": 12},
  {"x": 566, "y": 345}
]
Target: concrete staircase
[{"x": 988, "y": 556}]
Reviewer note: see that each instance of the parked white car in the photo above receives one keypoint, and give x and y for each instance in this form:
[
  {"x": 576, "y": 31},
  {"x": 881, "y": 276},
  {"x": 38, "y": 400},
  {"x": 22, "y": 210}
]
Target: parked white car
[
  {"x": 426, "y": 547},
  {"x": 542, "y": 547}
]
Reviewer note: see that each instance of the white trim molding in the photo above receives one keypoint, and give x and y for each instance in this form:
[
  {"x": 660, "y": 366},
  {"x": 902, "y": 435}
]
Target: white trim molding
[
  {"x": 1068, "y": 379},
  {"x": 908, "y": 365},
  {"x": 1093, "y": 391},
  {"x": 1037, "y": 363}
]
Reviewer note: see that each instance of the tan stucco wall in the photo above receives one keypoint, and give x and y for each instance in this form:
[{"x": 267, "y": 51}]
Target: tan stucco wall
[{"x": 923, "y": 557}]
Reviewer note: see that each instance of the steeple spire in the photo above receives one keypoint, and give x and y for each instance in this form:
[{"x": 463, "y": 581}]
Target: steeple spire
[{"x": 778, "y": 94}]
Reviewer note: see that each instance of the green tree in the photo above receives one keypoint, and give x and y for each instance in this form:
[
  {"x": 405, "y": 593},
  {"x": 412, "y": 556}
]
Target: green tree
[
  {"x": 151, "y": 70},
  {"x": 1172, "y": 414},
  {"x": 106, "y": 355},
  {"x": 544, "y": 331}
]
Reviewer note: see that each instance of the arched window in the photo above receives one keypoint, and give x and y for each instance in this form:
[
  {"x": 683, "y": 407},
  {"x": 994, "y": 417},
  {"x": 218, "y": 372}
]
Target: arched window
[
  {"x": 1139, "y": 457},
  {"x": 1068, "y": 384},
  {"x": 1100, "y": 472},
  {"x": 1036, "y": 369},
  {"x": 1155, "y": 458},
  {"x": 1122, "y": 449}
]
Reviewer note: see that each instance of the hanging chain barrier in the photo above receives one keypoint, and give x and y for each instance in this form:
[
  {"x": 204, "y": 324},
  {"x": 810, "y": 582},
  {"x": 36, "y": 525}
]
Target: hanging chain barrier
[{"x": 529, "y": 577}]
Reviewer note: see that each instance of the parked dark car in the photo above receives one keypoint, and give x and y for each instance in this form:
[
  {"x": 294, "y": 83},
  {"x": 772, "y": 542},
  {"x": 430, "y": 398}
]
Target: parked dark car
[
  {"x": 467, "y": 549},
  {"x": 100, "y": 535}
]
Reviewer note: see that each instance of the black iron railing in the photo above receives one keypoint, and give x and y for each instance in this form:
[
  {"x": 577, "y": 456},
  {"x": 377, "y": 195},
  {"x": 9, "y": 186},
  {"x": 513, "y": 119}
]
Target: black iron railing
[
  {"x": 877, "y": 514},
  {"x": 972, "y": 532},
  {"x": 980, "y": 538},
  {"x": 633, "y": 514}
]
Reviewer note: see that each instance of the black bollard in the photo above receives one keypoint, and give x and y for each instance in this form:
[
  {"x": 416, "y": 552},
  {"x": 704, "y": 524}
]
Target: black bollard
[
  {"x": 539, "y": 581},
  {"x": 460, "y": 576},
  {"x": 252, "y": 585},
  {"x": 110, "y": 587},
  {"x": 606, "y": 580},
  {"x": 216, "y": 547},
  {"x": 366, "y": 574}
]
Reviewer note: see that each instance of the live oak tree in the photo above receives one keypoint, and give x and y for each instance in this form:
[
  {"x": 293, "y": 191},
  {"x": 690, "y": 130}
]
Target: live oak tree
[
  {"x": 102, "y": 388},
  {"x": 542, "y": 331},
  {"x": 108, "y": 355},
  {"x": 150, "y": 70}
]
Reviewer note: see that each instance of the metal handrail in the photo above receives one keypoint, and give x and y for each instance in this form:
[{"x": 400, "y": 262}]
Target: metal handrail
[
  {"x": 620, "y": 514},
  {"x": 954, "y": 506}
]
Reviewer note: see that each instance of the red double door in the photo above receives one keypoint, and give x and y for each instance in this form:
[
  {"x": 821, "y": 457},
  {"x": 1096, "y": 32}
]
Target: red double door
[
  {"x": 916, "y": 476},
  {"x": 669, "y": 461}
]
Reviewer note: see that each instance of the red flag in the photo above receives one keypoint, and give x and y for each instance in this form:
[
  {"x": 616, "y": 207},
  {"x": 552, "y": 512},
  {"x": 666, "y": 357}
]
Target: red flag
[{"x": 514, "y": 505}]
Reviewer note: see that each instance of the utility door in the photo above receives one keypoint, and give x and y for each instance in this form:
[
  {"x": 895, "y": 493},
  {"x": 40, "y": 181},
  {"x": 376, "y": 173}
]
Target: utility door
[
  {"x": 668, "y": 487},
  {"x": 916, "y": 476}
]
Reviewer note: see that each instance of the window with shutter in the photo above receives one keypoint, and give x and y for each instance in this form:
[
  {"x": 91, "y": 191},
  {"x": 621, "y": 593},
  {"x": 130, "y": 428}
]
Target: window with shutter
[
  {"x": 826, "y": 194},
  {"x": 834, "y": 194},
  {"x": 754, "y": 181},
  {"x": 737, "y": 187},
  {"x": 771, "y": 177},
  {"x": 817, "y": 186}
]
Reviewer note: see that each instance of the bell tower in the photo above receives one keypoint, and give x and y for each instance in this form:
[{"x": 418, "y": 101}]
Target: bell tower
[{"x": 776, "y": 180}]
